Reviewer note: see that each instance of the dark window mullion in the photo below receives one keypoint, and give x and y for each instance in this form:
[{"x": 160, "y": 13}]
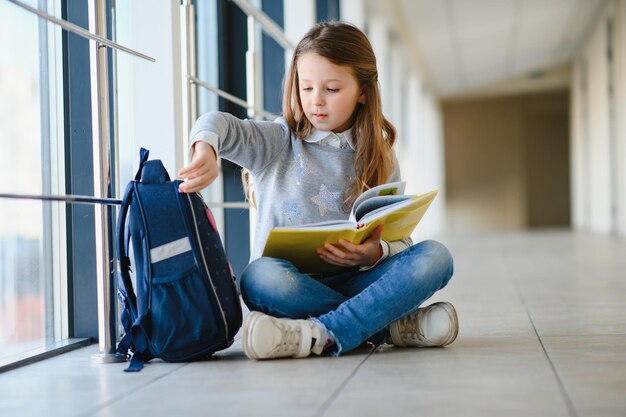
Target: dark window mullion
[
  {"x": 83, "y": 316},
  {"x": 232, "y": 34},
  {"x": 327, "y": 10},
  {"x": 273, "y": 60}
]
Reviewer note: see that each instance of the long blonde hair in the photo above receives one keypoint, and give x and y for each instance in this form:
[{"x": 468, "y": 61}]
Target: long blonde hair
[{"x": 373, "y": 135}]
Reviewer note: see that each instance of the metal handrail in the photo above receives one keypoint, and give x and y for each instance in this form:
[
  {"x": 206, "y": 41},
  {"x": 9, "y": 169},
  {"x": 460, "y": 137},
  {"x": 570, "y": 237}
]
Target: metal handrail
[
  {"x": 231, "y": 98},
  {"x": 68, "y": 198},
  {"x": 269, "y": 26},
  {"x": 70, "y": 27},
  {"x": 85, "y": 199}
]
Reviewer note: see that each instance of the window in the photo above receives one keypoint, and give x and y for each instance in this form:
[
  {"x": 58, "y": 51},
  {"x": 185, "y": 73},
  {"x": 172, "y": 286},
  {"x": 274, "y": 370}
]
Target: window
[{"x": 33, "y": 313}]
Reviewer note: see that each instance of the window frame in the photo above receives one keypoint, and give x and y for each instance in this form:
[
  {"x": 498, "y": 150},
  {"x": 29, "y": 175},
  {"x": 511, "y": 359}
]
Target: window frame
[{"x": 70, "y": 313}]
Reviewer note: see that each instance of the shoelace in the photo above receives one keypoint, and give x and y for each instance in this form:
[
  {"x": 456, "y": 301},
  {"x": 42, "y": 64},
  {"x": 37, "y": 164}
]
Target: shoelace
[
  {"x": 290, "y": 337},
  {"x": 410, "y": 329}
]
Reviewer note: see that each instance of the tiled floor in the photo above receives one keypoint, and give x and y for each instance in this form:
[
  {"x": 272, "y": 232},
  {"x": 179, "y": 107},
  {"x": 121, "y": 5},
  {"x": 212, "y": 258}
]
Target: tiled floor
[{"x": 543, "y": 333}]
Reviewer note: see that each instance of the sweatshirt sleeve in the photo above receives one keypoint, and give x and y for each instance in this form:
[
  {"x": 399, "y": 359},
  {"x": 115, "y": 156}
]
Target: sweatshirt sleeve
[
  {"x": 398, "y": 246},
  {"x": 248, "y": 143}
]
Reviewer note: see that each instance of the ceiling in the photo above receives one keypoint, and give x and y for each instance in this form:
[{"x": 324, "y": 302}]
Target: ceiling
[{"x": 469, "y": 45}]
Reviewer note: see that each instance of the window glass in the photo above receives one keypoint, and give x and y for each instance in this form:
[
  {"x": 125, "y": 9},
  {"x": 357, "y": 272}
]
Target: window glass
[{"x": 32, "y": 246}]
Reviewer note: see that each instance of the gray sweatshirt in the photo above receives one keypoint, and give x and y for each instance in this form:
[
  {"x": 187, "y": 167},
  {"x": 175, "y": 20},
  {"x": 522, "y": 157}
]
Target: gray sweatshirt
[{"x": 295, "y": 181}]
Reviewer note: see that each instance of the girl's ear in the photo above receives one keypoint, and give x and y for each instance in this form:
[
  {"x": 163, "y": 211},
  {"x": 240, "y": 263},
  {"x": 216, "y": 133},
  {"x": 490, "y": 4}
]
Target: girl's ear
[{"x": 362, "y": 96}]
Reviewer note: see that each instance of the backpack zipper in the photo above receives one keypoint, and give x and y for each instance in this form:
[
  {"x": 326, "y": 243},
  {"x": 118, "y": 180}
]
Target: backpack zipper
[{"x": 206, "y": 268}]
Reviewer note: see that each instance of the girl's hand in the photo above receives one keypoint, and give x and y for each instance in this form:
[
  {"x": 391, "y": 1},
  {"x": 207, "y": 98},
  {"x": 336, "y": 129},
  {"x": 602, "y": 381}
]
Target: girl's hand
[
  {"x": 351, "y": 255},
  {"x": 201, "y": 171}
]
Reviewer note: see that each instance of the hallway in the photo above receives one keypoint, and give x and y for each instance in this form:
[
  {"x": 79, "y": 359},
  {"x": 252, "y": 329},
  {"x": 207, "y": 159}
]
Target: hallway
[{"x": 542, "y": 334}]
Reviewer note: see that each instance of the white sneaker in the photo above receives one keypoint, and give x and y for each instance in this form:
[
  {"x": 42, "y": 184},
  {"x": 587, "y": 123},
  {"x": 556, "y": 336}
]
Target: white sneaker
[
  {"x": 435, "y": 325},
  {"x": 267, "y": 337}
]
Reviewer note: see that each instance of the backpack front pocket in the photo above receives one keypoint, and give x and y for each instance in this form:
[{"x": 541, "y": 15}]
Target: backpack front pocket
[{"x": 182, "y": 321}]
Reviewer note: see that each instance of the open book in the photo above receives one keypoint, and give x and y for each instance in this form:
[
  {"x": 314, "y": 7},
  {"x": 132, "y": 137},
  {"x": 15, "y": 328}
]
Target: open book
[{"x": 385, "y": 204}]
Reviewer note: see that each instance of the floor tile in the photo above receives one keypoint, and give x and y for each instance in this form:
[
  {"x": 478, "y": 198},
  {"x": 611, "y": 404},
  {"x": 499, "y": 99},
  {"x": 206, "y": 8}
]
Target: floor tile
[
  {"x": 504, "y": 376},
  {"x": 593, "y": 317},
  {"x": 232, "y": 385},
  {"x": 70, "y": 385},
  {"x": 593, "y": 371}
]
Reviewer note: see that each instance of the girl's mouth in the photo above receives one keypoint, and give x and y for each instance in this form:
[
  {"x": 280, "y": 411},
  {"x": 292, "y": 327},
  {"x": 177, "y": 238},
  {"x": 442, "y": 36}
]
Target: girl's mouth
[{"x": 319, "y": 116}]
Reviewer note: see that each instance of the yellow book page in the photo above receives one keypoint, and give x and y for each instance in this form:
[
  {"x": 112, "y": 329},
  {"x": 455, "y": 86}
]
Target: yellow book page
[{"x": 299, "y": 245}]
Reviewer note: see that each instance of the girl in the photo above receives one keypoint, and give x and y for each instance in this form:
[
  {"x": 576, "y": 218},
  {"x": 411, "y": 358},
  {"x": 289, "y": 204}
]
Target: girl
[{"x": 332, "y": 144}]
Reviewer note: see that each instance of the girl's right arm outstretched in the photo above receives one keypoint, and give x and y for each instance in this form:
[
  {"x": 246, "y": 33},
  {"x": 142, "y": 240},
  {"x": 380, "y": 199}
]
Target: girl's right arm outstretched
[{"x": 250, "y": 144}]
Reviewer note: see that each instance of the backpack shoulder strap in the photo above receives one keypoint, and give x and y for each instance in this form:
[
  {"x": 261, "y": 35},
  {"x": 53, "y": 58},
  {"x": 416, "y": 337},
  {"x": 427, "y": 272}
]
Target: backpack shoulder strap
[
  {"x": 122, "y": 246},
  {"x": 126, "y": 290},
  {"x": 125, "y": 283}
]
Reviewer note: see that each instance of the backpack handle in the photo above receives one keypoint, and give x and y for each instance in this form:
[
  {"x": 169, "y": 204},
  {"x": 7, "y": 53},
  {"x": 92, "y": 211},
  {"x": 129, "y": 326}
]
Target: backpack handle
[{"x": 143, "y": 158}]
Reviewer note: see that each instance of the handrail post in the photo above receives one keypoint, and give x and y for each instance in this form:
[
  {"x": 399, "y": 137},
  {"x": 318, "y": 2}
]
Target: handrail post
[
  {"x": 102, "y": 186},
  {"x": 190, "y": 96},
  {"x": 253, "y": 69}
]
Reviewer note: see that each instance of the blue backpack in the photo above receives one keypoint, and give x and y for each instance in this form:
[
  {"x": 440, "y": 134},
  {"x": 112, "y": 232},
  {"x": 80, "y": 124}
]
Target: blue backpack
[{"x": 186, "y": 305}]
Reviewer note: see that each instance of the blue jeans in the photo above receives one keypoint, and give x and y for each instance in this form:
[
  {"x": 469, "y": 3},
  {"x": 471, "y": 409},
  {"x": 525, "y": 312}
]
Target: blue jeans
[{"x": 354, "y": 306}]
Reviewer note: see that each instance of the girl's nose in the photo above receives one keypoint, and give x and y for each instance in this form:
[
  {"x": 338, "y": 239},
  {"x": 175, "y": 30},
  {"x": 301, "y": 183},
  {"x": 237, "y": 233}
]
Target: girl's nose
[{"x": 318, "y": 98}]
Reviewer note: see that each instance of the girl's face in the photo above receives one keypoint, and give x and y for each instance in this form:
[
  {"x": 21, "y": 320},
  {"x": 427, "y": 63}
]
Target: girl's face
[{"x": 329, "y": 93}]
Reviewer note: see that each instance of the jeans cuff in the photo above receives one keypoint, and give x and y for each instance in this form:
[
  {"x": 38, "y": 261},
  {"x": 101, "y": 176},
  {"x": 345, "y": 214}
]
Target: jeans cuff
[{"x": 336, "y": 347}]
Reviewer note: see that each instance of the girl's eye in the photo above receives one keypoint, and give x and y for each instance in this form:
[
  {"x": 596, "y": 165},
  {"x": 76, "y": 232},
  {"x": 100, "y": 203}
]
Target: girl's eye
[
  {"x": 307, "y": 88},
  {"x": 332, "y": 90}
]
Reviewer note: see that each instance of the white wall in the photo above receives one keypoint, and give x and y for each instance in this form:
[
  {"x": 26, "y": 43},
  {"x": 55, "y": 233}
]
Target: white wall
[
  {"x": 420, "y": 151},
  {"x": 353, "y": 11},
  {"x": 578, "y": 136},
  {"x": 619, "y": 22},
  {"x": 378, "y": 34},
  {"x": 397, "y": 86},
  {"x": 598, "y": 140},
  {"x": 149, "y": 94},
  {"x": 299, "y": 17}
]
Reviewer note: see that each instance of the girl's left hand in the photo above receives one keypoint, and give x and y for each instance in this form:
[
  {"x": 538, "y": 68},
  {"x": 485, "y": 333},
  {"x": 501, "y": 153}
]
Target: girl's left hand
[{"x": 350, "y": 255}]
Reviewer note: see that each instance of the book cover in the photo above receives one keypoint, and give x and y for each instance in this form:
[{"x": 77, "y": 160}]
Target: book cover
[{"x": 399, "y": 214}]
